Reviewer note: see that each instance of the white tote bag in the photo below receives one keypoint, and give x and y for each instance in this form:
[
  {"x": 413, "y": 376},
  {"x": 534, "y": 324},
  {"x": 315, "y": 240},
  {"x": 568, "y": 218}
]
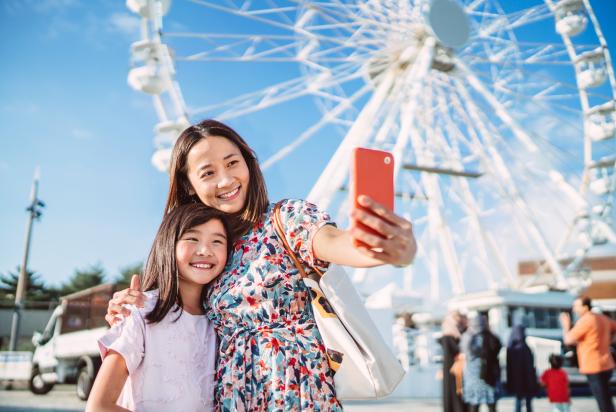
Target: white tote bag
[{"x": 363, "y": 364}]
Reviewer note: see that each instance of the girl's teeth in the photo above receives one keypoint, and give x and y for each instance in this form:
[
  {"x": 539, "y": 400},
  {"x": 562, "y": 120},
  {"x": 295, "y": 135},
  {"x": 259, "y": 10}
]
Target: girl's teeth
[{"x": 203, "y": 266}]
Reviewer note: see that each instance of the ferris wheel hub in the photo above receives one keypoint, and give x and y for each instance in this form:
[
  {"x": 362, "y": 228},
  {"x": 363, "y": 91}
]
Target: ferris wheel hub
[{"x": 449, "y": 22}]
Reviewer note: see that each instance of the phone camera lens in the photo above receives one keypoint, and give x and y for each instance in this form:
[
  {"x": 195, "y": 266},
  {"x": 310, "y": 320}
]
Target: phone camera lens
[{"x": 387, "y": 160}]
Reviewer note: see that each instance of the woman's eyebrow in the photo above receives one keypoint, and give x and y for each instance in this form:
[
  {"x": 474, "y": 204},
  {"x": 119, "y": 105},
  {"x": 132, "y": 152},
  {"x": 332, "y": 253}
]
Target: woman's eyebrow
[
  {"x": 230, "y": 155},
  {"x": 205, "y": 166}
]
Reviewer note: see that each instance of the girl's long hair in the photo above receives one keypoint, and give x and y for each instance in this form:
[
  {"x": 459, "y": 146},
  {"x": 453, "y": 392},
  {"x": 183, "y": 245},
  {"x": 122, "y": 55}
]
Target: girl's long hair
[
  {"x": 161, "y": 269},
  {"x": 179, "y": 185}
]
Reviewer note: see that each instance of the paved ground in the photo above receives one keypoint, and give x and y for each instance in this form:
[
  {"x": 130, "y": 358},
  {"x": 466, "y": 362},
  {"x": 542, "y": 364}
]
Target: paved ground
[{"x": 63, "y": 399}]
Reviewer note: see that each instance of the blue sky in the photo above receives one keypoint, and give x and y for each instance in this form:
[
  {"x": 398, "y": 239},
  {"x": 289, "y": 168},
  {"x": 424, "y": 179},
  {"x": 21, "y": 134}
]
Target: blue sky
[{"x": 65, "y": 106}]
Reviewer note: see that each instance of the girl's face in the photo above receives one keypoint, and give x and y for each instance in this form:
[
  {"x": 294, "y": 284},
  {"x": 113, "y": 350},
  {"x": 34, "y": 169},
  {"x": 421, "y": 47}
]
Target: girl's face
[
  {"x": 201, "y": 252},
  {"x": 218, "y": 174}
]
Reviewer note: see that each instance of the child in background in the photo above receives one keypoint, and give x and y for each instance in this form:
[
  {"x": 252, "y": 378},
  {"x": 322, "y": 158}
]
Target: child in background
[
  {"x": 556, "y": 383},
  {"x": 164, "y": 357}
]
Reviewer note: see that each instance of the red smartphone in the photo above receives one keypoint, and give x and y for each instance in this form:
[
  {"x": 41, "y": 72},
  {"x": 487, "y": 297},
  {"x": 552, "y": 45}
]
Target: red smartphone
[{"x": 372, "y": 174}]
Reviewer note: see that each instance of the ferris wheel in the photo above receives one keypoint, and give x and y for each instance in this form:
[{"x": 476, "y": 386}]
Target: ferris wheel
[{"x": 501, "y": 116}]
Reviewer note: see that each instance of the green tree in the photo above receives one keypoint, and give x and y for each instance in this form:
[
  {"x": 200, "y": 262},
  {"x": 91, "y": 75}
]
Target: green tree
[
  {"x": 36, "y": 289},
  {"x": 127, "y": 272},
  {"x": 84, "y": 278}
]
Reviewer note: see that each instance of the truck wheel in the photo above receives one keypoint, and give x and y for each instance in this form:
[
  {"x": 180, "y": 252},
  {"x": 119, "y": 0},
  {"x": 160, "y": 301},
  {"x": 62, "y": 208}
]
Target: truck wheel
[
  {"x": 37, "y": 385},
  {"x": 85, "y": 380}
]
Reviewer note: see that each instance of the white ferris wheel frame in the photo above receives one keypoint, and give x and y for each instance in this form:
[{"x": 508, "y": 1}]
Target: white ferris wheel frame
[{"x": 154, "y": 63}]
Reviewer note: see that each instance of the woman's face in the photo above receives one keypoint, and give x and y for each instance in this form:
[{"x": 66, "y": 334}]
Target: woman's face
[
  {"x": 201, "y": 253},
  {"x": 218, "y": 174}
]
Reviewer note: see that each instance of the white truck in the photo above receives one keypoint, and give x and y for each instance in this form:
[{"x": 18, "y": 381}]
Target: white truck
[{"x": 67, "y": 350}]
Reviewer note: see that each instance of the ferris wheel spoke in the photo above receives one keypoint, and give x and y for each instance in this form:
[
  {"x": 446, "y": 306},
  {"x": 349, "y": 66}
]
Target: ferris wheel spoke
[
  {"x": 279, "y": 93},
  {"x": 251, "y": 15},
  {"x": 467, "y": 200},
  {"x": 495, "y": 22},
  {"x": 278, "y": 48},
  {"x": 521, "y": 206},
  {"x": 329, "y": 117},
  {"x": 462, "y": 195},
  {"x": 424, "y": 156},
  {"x": 516, "y": 53},
  {"x": 498, "y": 108}
]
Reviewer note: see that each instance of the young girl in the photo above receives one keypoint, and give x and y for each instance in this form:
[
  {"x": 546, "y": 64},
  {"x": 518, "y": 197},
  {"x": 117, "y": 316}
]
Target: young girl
[
  {"x": 164, "y": 356},
  {"x": 271, "y": 355},
  {"x": 556, "y": 384}
]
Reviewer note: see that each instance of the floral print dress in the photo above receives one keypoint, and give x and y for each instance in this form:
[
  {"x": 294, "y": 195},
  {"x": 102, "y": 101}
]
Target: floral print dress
[{"x": 271, "y": 355}]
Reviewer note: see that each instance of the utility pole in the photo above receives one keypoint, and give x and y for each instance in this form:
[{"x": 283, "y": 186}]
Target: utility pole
[{"x": 35, "y": 213}]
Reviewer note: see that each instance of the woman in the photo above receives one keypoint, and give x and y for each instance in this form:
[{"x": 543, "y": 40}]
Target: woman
[
  {"x": 453, "y": 326},
  {"x": 481, "y": 368},
  {"x": 271, "y": 355},
  {"x": 521, "y": 374}
]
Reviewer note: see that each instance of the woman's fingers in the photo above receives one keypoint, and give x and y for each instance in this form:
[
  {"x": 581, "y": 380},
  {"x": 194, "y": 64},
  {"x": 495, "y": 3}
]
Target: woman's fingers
[
  {"x": 135, "y": 282},
  {"x": 115, "y": 309},
  {"x": 130, "y": 297},
  {"x": 375, "y": 254},
  {"x": 395, "y": 242},
  {"x": 374, "y": 222},
  {"x": 373, "y": 241},
  {"x": 380, "y": 210},
  {"x": 111, "y": 319}
]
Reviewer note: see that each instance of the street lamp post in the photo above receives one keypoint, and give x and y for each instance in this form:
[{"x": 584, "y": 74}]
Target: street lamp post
[{"x": 35, "y": 213}]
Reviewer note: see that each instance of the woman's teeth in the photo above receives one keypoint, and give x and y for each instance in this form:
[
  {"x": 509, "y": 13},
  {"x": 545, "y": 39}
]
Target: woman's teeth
[{"x": 229, "y": 194}]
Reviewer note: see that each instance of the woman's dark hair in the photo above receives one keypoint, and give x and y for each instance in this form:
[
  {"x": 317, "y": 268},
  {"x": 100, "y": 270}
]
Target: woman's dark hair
[
  {"x": 161, "y": 270},
  {"x": 556, "y": 361},
  {"x": 179, "y": 185}
]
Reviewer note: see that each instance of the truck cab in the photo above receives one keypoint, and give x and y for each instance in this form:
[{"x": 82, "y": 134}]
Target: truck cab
[{"x": 67, "y": 350}]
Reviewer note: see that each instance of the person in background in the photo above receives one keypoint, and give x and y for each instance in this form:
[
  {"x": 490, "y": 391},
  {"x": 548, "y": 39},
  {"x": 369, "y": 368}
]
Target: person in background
[
  {"x": 453, "y": 326},
  {"x": 521, "y": 374},
  {"x": 480, "y": 349},
  {"x": 593, "y": 334},
  {"x": 403, "y": 339},
  {"x": 556, "y": 383}
]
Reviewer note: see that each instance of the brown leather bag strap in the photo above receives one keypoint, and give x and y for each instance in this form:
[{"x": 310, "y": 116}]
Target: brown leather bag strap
[{"x": 283, "y": 237}]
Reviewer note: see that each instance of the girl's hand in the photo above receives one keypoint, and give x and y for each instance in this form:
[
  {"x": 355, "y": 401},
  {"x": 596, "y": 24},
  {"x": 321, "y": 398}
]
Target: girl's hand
[
  {"x": 132, "y": 296},
  {"x": 396, "y": 244}
]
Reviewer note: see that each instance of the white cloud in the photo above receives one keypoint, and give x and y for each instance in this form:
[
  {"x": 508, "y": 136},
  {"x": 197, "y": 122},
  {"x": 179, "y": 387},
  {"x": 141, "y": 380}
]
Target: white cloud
[
  {"x": 37, "y": 6},
  {"x": 124, "y": 23},
  {"x": 81, "y": 134},
  {"x": 176, "y": 26},
  {"x": 21, "y": 107}
]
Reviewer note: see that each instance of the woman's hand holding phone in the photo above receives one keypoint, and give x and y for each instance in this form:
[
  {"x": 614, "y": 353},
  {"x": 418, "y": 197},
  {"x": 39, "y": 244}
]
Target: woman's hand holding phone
[{"x": 394, "y": 241}]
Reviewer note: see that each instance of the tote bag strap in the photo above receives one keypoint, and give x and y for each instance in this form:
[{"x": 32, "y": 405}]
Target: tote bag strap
[{"x": 283, "y": 237}]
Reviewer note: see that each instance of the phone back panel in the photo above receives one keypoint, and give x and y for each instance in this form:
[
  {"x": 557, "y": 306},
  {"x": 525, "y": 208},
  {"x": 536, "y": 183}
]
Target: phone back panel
[{"x": 373, "y": 176}]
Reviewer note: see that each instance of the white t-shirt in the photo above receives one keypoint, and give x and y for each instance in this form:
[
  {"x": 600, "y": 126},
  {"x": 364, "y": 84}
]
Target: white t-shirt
[{"x": 171, "y": 365}]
